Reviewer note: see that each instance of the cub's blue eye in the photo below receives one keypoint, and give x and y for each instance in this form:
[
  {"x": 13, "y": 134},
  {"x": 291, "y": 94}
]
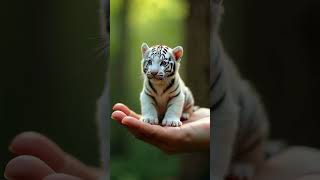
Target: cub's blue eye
[
  {"x": 163, "y": 63},
  {"x": 149, "y": 62}
]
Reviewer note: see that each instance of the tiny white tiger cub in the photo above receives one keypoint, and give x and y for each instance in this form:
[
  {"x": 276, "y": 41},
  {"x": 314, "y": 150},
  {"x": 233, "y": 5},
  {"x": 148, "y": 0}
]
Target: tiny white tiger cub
[{"x": 164, "y": 97}]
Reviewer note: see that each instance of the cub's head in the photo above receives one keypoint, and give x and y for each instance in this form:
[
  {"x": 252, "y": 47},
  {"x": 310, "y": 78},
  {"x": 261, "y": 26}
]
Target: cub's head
[{"x": 160, "y": 62}]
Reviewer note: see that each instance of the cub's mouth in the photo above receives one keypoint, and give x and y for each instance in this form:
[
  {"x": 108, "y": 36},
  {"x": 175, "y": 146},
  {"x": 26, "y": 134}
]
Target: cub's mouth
[{"x": 156, "y": 77}]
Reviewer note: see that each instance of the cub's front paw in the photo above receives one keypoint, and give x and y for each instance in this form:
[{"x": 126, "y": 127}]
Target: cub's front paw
[
  {"x": 150, "y": 119},
  {"x": 171, "y": 121}
]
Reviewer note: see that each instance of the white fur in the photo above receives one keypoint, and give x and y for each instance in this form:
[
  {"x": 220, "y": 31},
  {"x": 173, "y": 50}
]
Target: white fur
[{"x": 162, "y": 104}]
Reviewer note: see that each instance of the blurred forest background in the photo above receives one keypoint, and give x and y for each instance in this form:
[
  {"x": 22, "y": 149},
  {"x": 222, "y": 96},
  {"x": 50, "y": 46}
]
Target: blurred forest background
[{"x": 173, "y": 23}]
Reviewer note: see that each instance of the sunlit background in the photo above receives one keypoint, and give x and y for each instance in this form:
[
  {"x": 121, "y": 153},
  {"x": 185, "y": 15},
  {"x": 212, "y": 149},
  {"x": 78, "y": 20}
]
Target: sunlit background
[{"x": 132, "y": 23}]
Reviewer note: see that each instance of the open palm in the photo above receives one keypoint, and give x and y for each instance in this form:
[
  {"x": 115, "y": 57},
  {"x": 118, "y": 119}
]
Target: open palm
[{"x": 193, "y": 135}]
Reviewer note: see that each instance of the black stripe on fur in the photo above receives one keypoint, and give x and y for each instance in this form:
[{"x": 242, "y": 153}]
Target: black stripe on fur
[
  {"x": 175, "y": 89},
  {"x": 169, "y": 86},
  {"x": 176, "y": 95},
  {"x": 152, "y": 97},
  {"x": 150, "y": 84},
  {"x": 174, "y": 69}
]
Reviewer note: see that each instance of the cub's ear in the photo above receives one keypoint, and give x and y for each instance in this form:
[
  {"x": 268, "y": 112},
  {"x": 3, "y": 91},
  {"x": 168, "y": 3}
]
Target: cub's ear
[
  {"x": 144, "y": 48},
  {"x": 177, "y": 52}
]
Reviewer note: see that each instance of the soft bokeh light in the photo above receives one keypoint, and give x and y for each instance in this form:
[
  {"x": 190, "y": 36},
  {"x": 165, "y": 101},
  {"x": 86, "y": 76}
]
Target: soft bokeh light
[{"x": 144, "y": 12}]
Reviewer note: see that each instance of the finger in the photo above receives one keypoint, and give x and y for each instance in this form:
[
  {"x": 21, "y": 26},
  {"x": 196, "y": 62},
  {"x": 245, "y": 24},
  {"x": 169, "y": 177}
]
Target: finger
[
  {"x": 152, "y": 134},
  {"x": 58, "y": 176},
  {"x": 27, "y": 167},
  {"x": 31, "y": 143},
  {"x": 126, "y": 110},
  {"x": 138, "y": 126},
  {"x": 118, "y": 116},
  {"x": 148, "y": 138},
  {"x": 148, "y": 131}
]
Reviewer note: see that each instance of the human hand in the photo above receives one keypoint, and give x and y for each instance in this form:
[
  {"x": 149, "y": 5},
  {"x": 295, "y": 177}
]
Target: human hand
[
  {"x": 193, "y": 135},
  {"x": 38, "y": 158}
]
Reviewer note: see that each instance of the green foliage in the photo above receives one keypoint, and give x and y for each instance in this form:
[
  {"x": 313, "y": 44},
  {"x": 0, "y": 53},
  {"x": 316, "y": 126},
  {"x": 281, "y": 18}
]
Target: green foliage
[
  {"x": 153, "y": 22},
  {"x": 148, "y": 12}
]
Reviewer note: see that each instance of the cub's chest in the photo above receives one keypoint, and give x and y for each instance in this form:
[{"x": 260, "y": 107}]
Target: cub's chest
[{"x": 162, "y": 103}]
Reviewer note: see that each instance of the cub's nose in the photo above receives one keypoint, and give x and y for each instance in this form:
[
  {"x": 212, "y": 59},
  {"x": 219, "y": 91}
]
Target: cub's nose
[{"x": 154, "y": 73}]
